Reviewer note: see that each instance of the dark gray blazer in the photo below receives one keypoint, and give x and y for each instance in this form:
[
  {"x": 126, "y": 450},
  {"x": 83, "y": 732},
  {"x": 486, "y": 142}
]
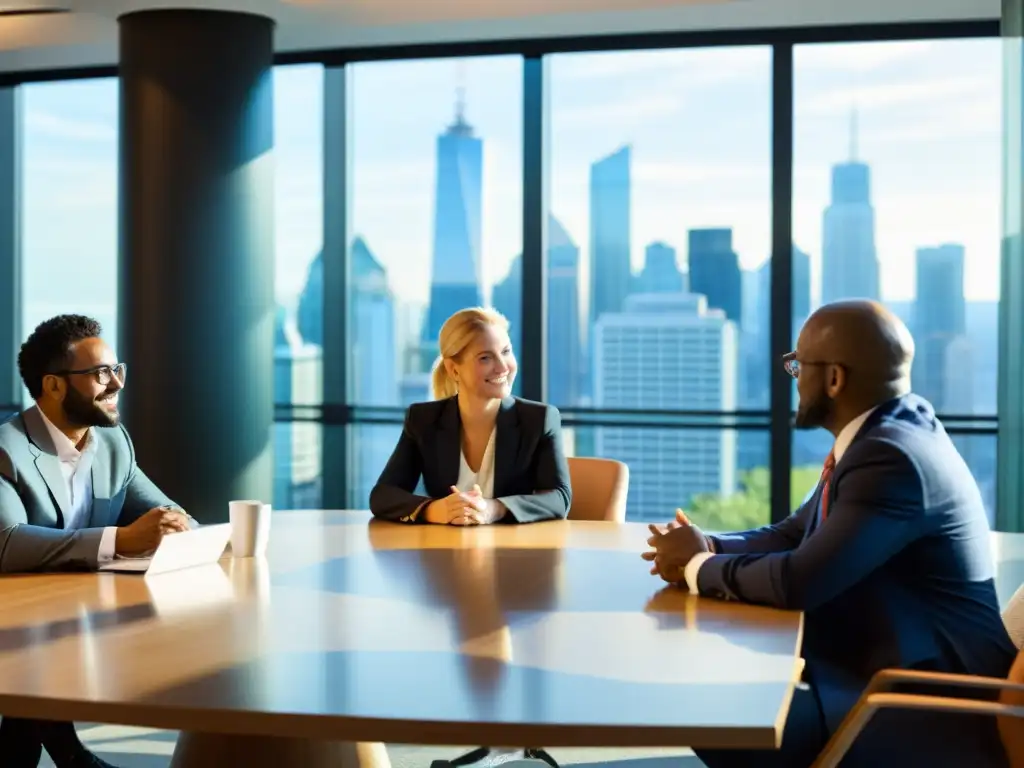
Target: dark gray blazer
[
  {"x": 531, "y": 475},
  {"x": 34, "y": 498}
]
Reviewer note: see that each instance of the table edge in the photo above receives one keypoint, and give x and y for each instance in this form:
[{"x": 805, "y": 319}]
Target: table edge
[{"x": 393, "y": 731}]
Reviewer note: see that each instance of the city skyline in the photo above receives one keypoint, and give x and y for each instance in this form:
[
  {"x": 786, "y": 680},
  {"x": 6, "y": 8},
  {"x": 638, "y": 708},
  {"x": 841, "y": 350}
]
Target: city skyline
[
  {"x": 71, "y": 154},
  {"x": 659, "y": 153},
  {"x": 655, "y": 337}
]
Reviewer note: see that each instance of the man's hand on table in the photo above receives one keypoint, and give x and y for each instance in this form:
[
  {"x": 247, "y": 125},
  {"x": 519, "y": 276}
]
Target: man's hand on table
[
  {"x": 673, "y": 546},
  {"x": 142, "y": 537}
]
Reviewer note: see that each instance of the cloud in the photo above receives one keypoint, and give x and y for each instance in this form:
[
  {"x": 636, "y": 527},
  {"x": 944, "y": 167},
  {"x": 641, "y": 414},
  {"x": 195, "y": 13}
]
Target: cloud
[
  {"x": 620, "y": 113},
  {"x": 680, "y": 68},
  {"x": 928, "y": 131},
  {"x": 53, "y": 126},
  {"x": 692, "y": 173},
  {"x": 391, "y": 176},
  {"x": 581, "y": 68},
  {"x": 891, "y": 94},
  {"x": 857, "y": 57}
]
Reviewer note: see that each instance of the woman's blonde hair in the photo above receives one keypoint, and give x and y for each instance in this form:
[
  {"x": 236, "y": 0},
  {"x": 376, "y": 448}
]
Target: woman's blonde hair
[{"x": 457, "y": 333}]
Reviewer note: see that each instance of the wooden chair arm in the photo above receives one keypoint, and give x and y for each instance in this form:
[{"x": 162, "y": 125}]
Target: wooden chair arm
[
  {"x": 884, "y": 680},
  {"x": 868, "y": 704}
]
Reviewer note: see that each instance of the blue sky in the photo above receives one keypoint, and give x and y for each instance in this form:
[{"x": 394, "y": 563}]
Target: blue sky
[{"x": 699, "y": 122}]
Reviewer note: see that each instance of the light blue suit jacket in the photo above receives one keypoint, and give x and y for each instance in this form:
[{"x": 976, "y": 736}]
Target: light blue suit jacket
[{"x": 34, "y": 499}]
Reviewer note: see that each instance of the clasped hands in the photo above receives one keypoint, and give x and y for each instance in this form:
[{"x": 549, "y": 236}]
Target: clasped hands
[
  {"x": 465, "y": 508},
  {"x": 673, "y": 546}
]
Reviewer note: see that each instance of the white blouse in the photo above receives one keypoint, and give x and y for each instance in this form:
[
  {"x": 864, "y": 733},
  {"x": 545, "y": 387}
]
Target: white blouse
[{"x": 484, "y": 477}]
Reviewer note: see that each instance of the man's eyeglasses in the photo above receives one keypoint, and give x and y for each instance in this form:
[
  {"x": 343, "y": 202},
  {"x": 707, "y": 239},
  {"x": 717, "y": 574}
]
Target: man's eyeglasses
[
  {"x": 793, "y": 366},
  {"x": 102, "y": 373}
]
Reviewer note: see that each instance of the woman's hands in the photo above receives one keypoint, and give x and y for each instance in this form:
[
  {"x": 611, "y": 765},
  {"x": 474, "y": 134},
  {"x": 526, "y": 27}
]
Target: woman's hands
[{"x": 464, "y": 508}]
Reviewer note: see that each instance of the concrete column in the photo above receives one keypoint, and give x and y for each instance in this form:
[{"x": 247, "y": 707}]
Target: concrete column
[{"x": 196, "y": 286}]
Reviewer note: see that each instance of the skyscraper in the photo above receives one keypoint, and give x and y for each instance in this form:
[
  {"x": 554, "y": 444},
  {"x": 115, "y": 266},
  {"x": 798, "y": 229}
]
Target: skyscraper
[
  {"x": 940, "y": 306},
  {"x": 801, "y": 297},
  {"x": 667, "y": 351},
  {"x": 456, "y": 281},
  {"x": 801, "y": 288},
  {"x": 297, "y": 381},
  {"x": 849, "y": 262},
  {"x": 507, "y": 298},
  {"x": 715, "y": 271},
  {"x": 373, "y": 363},
  {"x": 564, "y": 337},
  {"x": 372, "y": 357},
  {"x": 660, "y": 273},
  {"x": 939, "y": 320},
  {"x": 563, "y": 352},
  {"x": 310, "y": 316},
  {"x": 610, "y": 214}
]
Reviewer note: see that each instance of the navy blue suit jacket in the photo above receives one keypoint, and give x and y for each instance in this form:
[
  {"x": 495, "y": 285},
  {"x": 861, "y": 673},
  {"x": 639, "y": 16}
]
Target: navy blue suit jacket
[{"x": 899, "y": 574}]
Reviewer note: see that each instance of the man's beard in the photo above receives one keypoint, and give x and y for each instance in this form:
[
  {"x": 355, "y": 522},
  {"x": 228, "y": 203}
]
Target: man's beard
[
  {"x": 816, "y": 413},
  {"x": 83, "y": 412}
]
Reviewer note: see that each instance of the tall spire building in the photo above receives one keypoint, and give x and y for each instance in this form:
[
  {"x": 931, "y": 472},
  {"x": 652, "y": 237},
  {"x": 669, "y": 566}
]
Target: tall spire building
[
  {"x": 456, "y": 280},
  {"x": 849, "y": 262}
]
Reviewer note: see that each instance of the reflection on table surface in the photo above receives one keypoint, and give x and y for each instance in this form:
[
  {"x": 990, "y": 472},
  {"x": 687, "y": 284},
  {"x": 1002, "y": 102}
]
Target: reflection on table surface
[{"x": 551, "y": 633}]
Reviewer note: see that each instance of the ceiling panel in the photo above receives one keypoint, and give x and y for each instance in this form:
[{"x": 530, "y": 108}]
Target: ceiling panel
[{"x": 88, "y": 36}]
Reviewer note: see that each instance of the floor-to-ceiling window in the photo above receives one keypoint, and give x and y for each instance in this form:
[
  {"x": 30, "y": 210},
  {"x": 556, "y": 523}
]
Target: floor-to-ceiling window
[
  {"x": 436, "y": 226},
  {"x": 69, "y": 242},
  {"x": 658, "y": 261},
  {"x": 298, "y": 284},
  {"x": 657, "y": 255},
  {"x": 69, "y": 203},
  {"x": 896, "y": 197}
]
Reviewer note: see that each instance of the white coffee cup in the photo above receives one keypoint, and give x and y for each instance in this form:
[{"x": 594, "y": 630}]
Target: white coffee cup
[{"x": 250, "y": 528}]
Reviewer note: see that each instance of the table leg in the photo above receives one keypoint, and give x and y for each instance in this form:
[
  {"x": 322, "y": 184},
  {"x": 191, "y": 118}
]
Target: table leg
[{"x": 210, "y": 750}]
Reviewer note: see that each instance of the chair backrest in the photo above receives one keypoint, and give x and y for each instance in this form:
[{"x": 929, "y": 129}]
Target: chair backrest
[
  {"x": 1011, "y": 730},
  {"x": 599, "y": 488},
  {"x": 1013, "y": 617}
]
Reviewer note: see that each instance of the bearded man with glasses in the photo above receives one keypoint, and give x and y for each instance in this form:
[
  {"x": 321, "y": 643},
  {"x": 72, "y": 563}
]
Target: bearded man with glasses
[{"x": 71, "y": 494}]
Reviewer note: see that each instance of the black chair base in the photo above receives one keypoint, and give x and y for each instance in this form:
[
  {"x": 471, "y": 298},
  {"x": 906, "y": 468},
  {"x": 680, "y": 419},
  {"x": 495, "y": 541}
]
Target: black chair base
[{"x": 475, "y": 756}]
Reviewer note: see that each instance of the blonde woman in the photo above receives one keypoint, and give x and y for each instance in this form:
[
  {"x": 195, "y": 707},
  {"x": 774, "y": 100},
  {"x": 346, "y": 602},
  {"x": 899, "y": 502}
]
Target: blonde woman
[{"x": 484, "y": 456}]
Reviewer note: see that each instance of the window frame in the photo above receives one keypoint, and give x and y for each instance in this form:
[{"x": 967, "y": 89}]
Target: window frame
[{"x": 336, "y": 414}]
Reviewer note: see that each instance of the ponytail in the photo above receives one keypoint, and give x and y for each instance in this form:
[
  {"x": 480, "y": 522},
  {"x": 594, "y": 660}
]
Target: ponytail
[{"x": 440, "y": 382}]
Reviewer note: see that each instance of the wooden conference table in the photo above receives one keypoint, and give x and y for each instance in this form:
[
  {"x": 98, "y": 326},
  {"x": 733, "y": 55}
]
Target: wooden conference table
[{"x": 551, "y": 634}]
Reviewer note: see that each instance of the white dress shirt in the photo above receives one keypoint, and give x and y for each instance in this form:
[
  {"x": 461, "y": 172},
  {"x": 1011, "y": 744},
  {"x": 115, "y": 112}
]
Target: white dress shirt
[
  {"x": 843, "y": 440},
  {"x": 484, "y": 477},
  {"x": 76, "y": 467}
]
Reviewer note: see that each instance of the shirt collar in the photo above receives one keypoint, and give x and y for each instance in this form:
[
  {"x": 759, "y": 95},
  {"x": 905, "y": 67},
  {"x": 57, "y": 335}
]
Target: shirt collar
[
  {"x": 66, "y": 450},
  {"x": 847, "y": 433}
]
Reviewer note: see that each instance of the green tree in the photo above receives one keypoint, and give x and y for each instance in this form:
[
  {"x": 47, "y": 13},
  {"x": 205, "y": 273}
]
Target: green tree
[{"x": 750, "y": 506}]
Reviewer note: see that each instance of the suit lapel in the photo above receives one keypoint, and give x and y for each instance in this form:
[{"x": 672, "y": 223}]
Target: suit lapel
[
  {"x": 879, "y": 413},
  {"x": 814, "y": 519},
  {"x": 46, "y": 461},
  {"x": 506, "y": 448},
  {"x": 449, "y": 444}
]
